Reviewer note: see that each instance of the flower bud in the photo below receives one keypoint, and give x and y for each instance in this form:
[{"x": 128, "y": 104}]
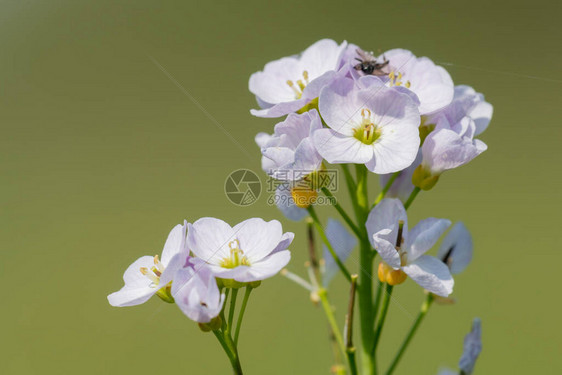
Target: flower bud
[
  {"x": 389, "y": 275},
  {"x": 423, "y": 178},
  {"x": 213, "y": 325},
  {"x": 303, "y": 195}
]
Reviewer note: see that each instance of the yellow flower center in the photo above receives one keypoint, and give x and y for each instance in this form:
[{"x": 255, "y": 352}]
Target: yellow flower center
[
  {"x": 235, "y": 258},
  {"x": 154, "y": 273},
  {"x": 299, "y": 86},
  {"x": 396, "y": 80},
  {"x": 367, "y": 132}
]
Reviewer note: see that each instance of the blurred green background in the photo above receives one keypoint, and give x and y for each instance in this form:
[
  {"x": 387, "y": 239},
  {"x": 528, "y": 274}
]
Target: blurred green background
[{"x": 101, "y": 154}]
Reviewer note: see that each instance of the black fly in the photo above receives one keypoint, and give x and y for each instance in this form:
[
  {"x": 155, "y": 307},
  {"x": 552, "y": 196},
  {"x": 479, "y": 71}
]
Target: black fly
[{"x": 369, "y": 65}]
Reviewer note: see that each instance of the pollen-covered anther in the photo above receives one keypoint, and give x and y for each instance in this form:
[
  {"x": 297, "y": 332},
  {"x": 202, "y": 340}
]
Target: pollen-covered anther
[
  {"x": 236, "y": 257},
  {"x": 396, "y": 80},
  {"x": 150, "y": 275},
  {"x": 300, "y": 85},
  {"x": 367, "y": 132}
]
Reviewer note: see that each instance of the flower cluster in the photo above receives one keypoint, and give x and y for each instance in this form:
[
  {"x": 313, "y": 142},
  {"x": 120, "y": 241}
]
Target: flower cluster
[
  {"x": 393, "y": 113},
  {"x": 200, "y": 260}
]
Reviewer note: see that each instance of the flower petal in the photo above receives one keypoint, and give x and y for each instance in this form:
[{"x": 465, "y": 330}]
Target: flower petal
[
  {"x": 456, "y": 248},
  {"x": 258, "y": 238},
  {"x": 386, "y": 215},
  {"x": 471, "y": 348},
  {"x": 209, "y": 239},
  {"x": 424, "y": 235},
  {"x": 431, "y": 274},
  {"x": 337, "y": 148},
  {"x": 175, "y": 244}
]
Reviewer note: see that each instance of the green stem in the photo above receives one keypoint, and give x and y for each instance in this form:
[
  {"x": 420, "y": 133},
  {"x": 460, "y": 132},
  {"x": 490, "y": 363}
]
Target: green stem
[
  {"x": 230, "y": 350},
  {"x": 231, "y": 310},
  {"x": 323, "y": 295},
  {"x": 365, "y": 289},
  {"x": 423, "y": 311},
  {"x": 382, "y": 318},
  {"x": 342, "y": 212},
  {"x": 322, "y": 234},
  {"x": 348, "y": 328},
  {"x": 377, "y": 299},
  {"x": 241, "y": 314},
  {"x": 386, "y": 188},
  {"x": 411, "y": 197}
]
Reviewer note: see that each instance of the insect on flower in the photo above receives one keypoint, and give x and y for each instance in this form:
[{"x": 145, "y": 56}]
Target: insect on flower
[{"x": 369, "y": 65}]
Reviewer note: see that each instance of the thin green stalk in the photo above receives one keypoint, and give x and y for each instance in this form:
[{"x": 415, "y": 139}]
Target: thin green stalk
[
  {"x": 348, "y": 328},
  {"x": 423, "y": 311},
  {"x": 377, "y": 299},
  {"x": 323, "y": 295},
  {"x": 386, "y": 188},
  {"x": 365, "y": 289},
  {"x": 322, "y": 234},
  {"x": 231, "y": 310},
  {"x": 230, "y": 350},
  {"x": 342, "y": 212},
  {"x": 241, "y": 314},
  {"x": 384, "y": 311},
  {"x": 411, "y": 197}
]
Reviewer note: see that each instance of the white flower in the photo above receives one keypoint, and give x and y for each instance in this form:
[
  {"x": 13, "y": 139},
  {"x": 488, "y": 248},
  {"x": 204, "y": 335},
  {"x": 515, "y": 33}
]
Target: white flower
[
  {"x": 151, "y": 275},
  {"x": 196, "y": 293},
  {"x": 342, "y": 242},
  {"x": 253, "y": 250},
  {"x": 431, "y": 83},
  {"x": 449, "y": 146},
  {"x": 288, "y": 84},
  {"x": 456, "y": 249},
  {"x": 383, "y": 227},
  {"x": 289, "y": 154},
  {"x": 376, "y": 126},
  {"x": 466, "y": 102}
]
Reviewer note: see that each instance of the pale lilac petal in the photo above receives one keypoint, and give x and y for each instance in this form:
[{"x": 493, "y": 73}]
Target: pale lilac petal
[
  {"x": 209, "y": 238},
  {"x": 175, "y": 244},
  {"x": 431, "y": 83},
  {"x": 337, "y": 148},
  {"x": 128, "y": 296},
  {"x": 270, "y": 85},
  {"x": 424, "y": 235},
  {"x": 342, "y": 242},
  {"x": 138, "y": 288},
  {"x": 402, "y": 186},
  {"x": 472, "y": 348},
  {"x": 386, "y": 249},
  {"x": 265, "y": 268},
  {"x": 257, "y": 238},
  {"x": 322, "y": 56},
  {"x": 431, "y": 274},
  {"x": 262, "y": 139},
  {"x": 197, "y": 295},
  {"x": 444, "y": 149},
  {"x": 280, "y": 109},
  {"x": 456, "y": 248},
  {"x": 338, "y": 106},
  {"x": 386, "y": 215},
  {"x": 286, "y": 240}
]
